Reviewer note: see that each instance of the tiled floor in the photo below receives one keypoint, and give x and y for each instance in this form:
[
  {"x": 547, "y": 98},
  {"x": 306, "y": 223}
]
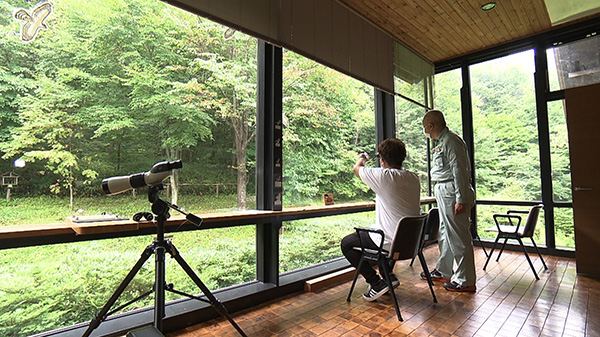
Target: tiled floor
[{"x": 509, "y": 302}]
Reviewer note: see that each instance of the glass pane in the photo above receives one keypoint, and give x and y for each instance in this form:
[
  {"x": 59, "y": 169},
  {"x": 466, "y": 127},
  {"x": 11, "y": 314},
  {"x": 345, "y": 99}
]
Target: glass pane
[
  {"x": 133, "y": 90},
  {"x": 505, "y": 129},
  {"x": 69, "y": 283},
  {"x": 561, "y": 174},
  {"x": 414, "y": 91},
  {"x": 485, "y": 221},
  {"x": 328, "y": 120},
  {"x": 411, "y": 73},
  {"x": 304, "y": 243},
  {"x": 574, "y": 64},
  {"x": 110, "y": 88},
  {"x": 564, "y": 228},
  {"x": 559, "y": 147},
  {"x": 409, "y": 128},
  {"x": 447, "y": 98}
]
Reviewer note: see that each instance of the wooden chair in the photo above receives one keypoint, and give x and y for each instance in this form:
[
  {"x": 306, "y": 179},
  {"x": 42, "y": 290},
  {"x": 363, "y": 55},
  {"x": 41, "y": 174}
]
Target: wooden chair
[
  {"x": 516, "y": 232},
  {"x": 405, "y": 245}
]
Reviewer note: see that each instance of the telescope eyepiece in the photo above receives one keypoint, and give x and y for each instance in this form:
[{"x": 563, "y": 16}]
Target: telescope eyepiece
[{"x": 165, "y": 166}]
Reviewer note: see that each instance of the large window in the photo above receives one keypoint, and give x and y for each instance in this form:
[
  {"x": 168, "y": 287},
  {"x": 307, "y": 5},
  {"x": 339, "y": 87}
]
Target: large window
[
  {"x": 447, "y": 98},
  {"x": 309, "y": 242},
  {"x": 328, "y": 120},
  {"x": 122, "y": 94},
  {"x": 413, "y": 95},
  {"x": 110, "y": 88},
  {"x": 409, "y": 128},
  {"x": 507, "y": 165},
  {"x": 561, "y": 174},
  {"x": 49, "y": 287}
]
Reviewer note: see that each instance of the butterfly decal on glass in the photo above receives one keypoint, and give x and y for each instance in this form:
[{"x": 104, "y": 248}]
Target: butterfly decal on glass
[{"x": 34, "y": 21}]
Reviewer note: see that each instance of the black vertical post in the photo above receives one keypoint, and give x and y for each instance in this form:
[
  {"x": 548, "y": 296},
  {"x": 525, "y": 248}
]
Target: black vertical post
[
  {"x": 541, "y": 89},
  {"x": 468, "y": 133},
  {"x": 429, "y": 101},
  {"x": 385, "y": 116},
  {"x": 269, "y": 187}
]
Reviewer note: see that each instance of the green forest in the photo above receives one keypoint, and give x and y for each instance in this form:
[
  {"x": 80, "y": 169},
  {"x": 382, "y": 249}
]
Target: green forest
[{"x": 112, "y": 87}]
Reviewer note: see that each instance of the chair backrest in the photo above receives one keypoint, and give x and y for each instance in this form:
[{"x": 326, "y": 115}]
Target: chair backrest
[
  {"x": 407, "y": 237},
  {"x": 531, "y": 221},
  {"x": 432, "y": 225}
]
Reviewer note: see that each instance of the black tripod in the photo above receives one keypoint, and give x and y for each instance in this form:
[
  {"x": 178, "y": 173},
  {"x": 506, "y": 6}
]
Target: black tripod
[{"x": 160, "y": 247}]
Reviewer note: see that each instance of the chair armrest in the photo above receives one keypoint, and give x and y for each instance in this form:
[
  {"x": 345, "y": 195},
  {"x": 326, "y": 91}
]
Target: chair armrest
[
  {"x": 371, "y": 230},
  {"x": 509, "y": 217},
  {"x": 520, "y": 211}
]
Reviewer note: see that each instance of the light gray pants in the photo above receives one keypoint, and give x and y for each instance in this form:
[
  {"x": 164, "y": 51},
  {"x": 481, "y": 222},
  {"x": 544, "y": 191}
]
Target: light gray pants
[{"x": 454, "y": 238}]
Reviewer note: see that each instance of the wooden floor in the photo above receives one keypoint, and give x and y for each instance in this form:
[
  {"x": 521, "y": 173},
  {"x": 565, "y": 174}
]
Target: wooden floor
[{"x": 509, "y": 302}]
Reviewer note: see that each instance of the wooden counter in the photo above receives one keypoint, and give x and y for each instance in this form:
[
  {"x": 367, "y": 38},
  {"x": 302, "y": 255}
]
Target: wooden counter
[{"x": 210, "y": 220}]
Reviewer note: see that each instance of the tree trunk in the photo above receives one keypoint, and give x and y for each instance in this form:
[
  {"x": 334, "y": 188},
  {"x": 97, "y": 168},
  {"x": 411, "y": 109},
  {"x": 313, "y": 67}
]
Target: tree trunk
[
  {"x": 240, "y": 127},
  {"x": 174, "y": 154},
  {"x": 71, "y": 195},
  {"x": 175, "y": 187},
  {"x": 242, "y": 178}
]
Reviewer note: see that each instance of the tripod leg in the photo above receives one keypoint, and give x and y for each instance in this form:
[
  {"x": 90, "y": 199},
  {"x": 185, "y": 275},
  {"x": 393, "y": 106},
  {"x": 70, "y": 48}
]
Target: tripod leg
[
  {"x": 213, "y": 300},
  {"x": 159, "y": 298},
  {"x": 94, "y": 323}
]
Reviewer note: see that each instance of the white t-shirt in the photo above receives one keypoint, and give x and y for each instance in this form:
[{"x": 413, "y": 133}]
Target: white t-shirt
[{"x": 398, "y": 194}]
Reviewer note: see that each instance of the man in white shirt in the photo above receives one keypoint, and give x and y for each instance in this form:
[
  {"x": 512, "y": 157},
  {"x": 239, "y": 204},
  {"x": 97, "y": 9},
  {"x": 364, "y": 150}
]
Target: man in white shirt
[{"x": 397, "y": 195}]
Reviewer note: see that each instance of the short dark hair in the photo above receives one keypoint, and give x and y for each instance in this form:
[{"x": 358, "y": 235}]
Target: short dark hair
[{"x": 393, "y": 151}]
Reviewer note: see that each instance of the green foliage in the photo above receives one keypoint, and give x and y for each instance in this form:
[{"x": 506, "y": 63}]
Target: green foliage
[
  {"x": 300, "y": 239},
  {"x": 328, "y": 119}
]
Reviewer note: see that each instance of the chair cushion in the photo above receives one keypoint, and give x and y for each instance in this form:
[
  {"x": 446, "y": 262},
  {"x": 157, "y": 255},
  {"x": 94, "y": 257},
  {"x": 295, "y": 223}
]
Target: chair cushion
[{"x": 371, "y": 254}]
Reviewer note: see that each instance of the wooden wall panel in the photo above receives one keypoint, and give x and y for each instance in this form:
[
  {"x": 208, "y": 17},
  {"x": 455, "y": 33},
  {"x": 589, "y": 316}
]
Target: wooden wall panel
[
  {"x": 339, "y": 19},
  {"x": 370, "y": 50},
  {"x": 303, "y": 26},
  {"x": 356, "y": 49},
  {"x": 284, "y": 36},
  {"x": 258, "y": 15},
  {"x": 323, "y": 30},
  {"x": 385, "y": 56}
]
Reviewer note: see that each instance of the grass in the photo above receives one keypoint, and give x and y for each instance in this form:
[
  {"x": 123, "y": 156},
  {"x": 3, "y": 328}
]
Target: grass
[{"x": 52, "y": 209}]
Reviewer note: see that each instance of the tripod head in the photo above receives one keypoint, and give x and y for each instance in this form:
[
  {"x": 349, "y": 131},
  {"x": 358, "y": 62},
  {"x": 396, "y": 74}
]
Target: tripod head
[{"x": 161, "y": 207}]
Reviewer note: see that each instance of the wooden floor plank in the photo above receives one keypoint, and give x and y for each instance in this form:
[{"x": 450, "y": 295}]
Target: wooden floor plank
[{"x": 509, "y": 302}]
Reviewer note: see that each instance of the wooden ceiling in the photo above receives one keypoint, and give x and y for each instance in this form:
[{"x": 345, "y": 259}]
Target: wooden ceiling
[{"x": 440, "y": 30}]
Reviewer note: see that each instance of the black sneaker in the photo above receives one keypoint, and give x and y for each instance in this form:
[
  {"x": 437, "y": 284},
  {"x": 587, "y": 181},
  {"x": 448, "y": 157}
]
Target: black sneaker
[
  {"x": 376, "y": 291},
  {"x": 453, "y": 286},
  {"x": 435, "y": 276},
  {"x": 395, "y": 281}
]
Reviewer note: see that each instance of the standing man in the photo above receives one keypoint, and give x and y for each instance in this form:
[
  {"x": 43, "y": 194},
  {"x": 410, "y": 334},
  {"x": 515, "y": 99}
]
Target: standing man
[
  {"x": 397, "y": 195},
  {"x": 455, "y": 197}
]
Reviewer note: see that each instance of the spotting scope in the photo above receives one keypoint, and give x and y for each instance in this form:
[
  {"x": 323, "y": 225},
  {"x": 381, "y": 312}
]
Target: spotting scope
[{"x": 159, "y": 172}]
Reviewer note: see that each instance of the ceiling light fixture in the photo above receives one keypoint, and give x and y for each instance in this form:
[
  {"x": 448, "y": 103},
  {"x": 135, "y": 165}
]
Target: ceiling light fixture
[{"x": 488, "y": 6}]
